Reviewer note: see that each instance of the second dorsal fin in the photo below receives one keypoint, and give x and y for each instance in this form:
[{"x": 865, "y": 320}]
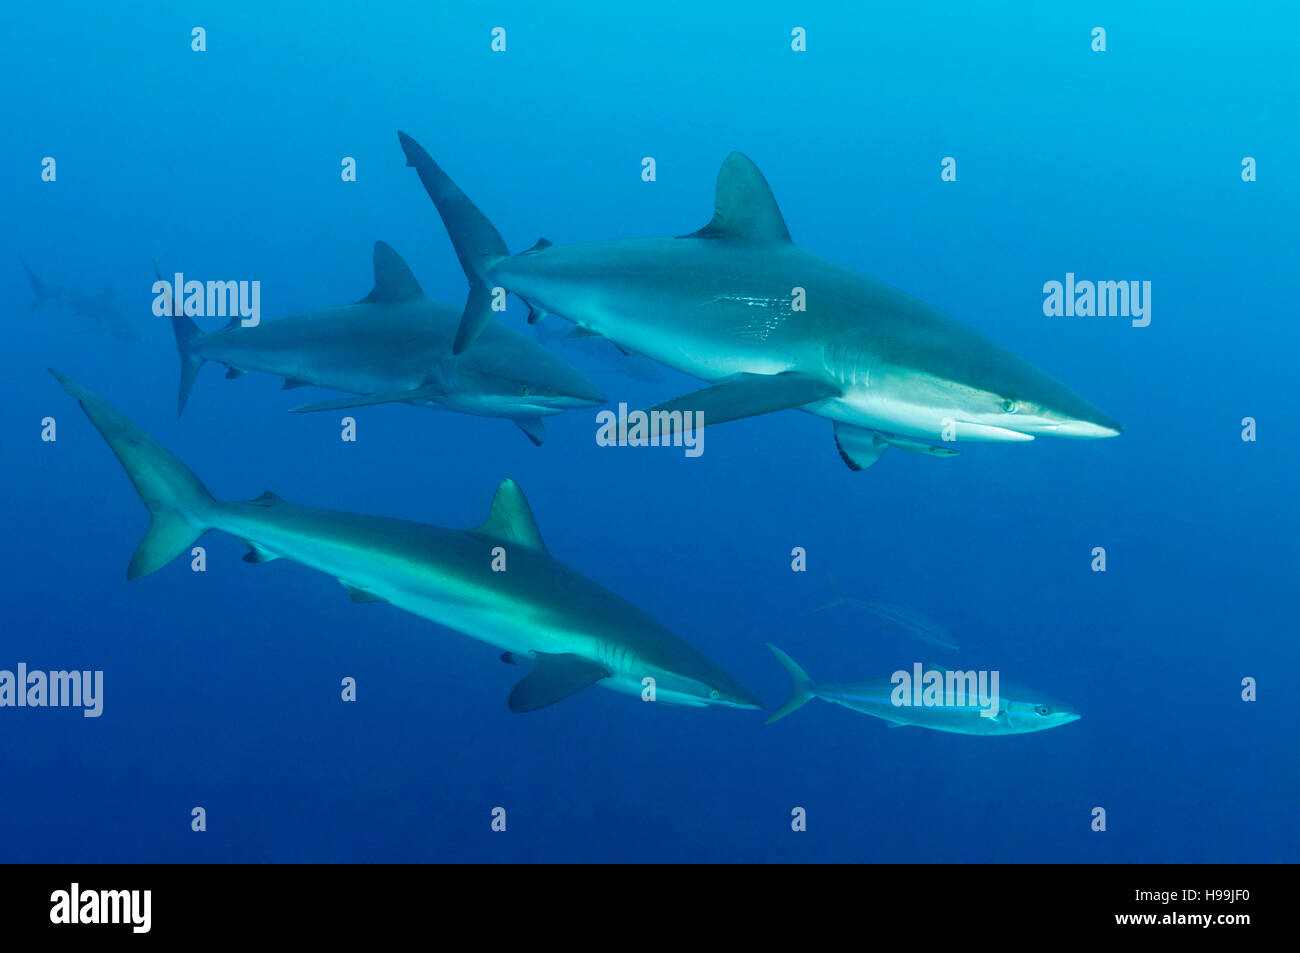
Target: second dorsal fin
[
  {"x": 394, "y": 282},
  {"x": 511, "y": 519},
  {"x": 744, "y": 207}
]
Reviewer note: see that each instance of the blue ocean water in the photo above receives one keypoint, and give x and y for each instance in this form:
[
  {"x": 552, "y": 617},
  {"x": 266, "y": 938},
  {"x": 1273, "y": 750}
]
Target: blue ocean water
[{"x": 222, "y": 688}]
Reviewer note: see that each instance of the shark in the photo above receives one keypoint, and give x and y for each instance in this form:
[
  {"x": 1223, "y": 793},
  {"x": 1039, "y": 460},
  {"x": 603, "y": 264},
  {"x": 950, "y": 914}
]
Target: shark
[
  {"x": 636, "y": 366},
  {"x": 1019, "y": 711},
  {"x": 770, "y": 326},
  {"x": 393, "y": 346},
  {"x": 101, "y": 310},
  {"x": 573, "y": 631}
]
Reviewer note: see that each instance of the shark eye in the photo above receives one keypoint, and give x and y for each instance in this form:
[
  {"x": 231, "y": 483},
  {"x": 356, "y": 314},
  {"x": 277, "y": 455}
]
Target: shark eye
[
  {"x": 1040, "y": 709},
  {"x": 1010, "y": 406},
  {"x": 713, "y": 693}
]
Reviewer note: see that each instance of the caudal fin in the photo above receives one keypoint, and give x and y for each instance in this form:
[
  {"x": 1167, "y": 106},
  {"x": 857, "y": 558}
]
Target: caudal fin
[
  {"x": 837, "y": 595},
  {"x": 180, "y": 507},
  {"x": 188, "y": 335},
  {"x": 802, "y": 690},
  {"x": 43, "y": 292},
  {"x": 477, "y": 242}
]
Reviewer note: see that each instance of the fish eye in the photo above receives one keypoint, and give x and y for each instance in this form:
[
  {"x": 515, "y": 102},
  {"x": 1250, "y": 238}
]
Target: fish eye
[
  {"x": 1041, "y": 709},
  {"x": 1010, "y": 406},
  {"x": 713, "y": 693}
]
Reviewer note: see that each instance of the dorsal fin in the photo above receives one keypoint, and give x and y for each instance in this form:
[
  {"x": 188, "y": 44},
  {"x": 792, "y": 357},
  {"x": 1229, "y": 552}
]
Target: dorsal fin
[
  {"x": 744, "y": 208},
  {"x": 266, "y": 499},
  {"x": 393, "y": 279},
  {"x": 510, "y": 518},
  {"x": 542, "y": 244}
]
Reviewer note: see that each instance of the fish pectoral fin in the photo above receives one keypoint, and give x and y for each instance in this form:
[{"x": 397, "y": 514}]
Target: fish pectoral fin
[
  {"x": 233, "y": 372},
  {"x": 749, "y": 395},
  {"x": 859, "y": 447},
  {"x": 555, "y": 678},
  {"x": 533, "y": 429},
  {"x": 357, "y": 594},
  {"x": 427, "y": 392}
]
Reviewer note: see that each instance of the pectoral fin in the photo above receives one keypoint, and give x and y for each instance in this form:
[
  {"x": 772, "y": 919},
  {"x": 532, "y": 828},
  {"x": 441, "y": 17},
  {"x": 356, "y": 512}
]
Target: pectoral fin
[
  {"x": 533, "y": 428},
  {"x": 430, "y": 392},
  {"x": 556, "y": 677},
  {"x": 748, "y": 395},
  {"x": 860, "y": 447}
]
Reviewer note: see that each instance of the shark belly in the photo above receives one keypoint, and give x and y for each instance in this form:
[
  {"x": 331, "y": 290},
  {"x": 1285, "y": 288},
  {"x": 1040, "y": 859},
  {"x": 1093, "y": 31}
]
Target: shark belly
[{"x": 444, "y": 591}]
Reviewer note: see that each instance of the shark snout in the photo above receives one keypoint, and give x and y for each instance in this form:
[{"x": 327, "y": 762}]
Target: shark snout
[{"x": 1092, "y": 425}]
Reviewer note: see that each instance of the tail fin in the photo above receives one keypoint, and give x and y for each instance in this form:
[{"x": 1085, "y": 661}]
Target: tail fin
[
  {"x": 477, "y": 242},
  {"x": 179, "y": 505},
  {"x": 188, "y": 335},
  {"x": 802, "y": 691},
  {"x": 43, "y": 292},
  {"x": 837, "y": 595}
]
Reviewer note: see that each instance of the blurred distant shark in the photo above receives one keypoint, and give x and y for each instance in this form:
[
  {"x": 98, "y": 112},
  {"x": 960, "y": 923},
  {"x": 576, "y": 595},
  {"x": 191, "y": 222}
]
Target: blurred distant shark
[
  {"x": 101, "y": 310},
  {"x": 393, "y": 346},
  {"x": 771, "y": 325},
  {"x": 902, "y": 618},
  {"x": 535, "y": 609},
  {"x": 1015, "y": 711}
]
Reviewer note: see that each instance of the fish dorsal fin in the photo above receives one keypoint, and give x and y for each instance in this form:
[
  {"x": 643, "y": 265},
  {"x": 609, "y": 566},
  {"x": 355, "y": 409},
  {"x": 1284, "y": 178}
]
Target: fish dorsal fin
[
  {"x": 266, "y": 499},
  {"x": 542, "y": 244},
  {"x": 510, "y": 518},
  {"x": 744, "y": 209},
  {"x": 394, "y": 282}
]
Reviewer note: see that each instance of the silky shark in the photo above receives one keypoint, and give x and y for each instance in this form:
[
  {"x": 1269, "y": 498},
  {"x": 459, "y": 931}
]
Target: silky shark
[
  {"x": 720, "y": 304},
  {"x": 1014, "y": 710},
  {"x": 393, "y": 346},
  {"x": 576, "y": 632},
  {"x": 101, "y": 310}
]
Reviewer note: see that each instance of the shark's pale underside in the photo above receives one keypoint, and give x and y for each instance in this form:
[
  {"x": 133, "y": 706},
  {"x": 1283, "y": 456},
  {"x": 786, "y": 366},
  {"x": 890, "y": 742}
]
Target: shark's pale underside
[
  {"x": 576, "y": 633},
  {"x": 718, "y": 304}
]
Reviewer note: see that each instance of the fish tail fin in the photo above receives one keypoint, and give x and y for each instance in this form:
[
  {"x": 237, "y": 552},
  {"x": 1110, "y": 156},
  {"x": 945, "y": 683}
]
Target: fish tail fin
[
  {"x": 477, "y": 242},
  {"x": 43, "y": 292},
  {"x": 180, "y": 507},
  {"x": 802, "y": 691},
  {"x": 188, "y": 335},
  {"x": 837, "y": 595}
]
